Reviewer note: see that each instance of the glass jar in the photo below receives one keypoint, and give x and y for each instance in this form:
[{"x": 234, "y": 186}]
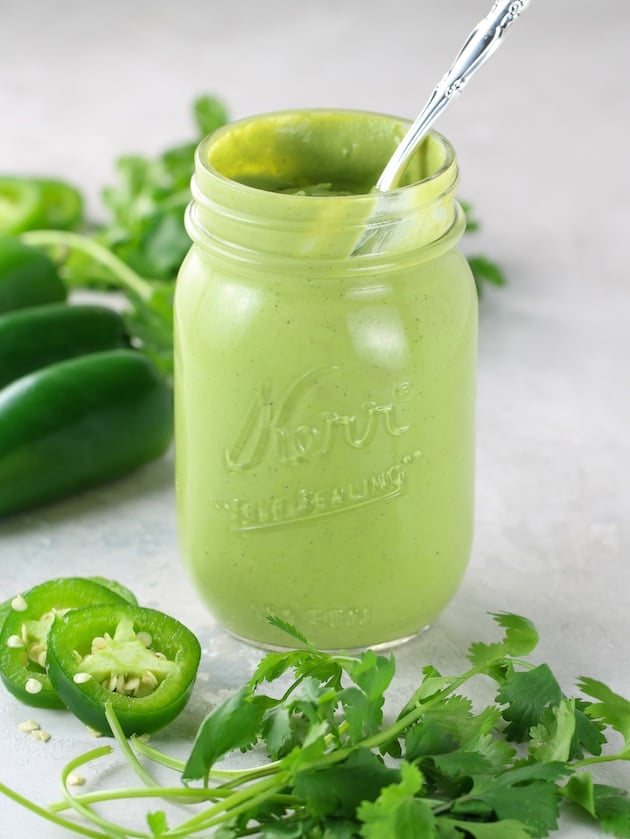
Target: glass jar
[{"x": 325, "y": 347}]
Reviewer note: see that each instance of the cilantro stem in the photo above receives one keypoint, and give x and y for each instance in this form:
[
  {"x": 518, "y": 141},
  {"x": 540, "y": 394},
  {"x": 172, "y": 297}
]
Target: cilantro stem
[
  {"x": 128, "y": 753},
  {"x": 194, "y": 794},
  {"x": 49, "y": 814},
  {"x": 157, "y": 756},
  {"x": 125, "y": 276},
  {"x": 238, "y": 802},
  {"x": 110, "y": 829},
  {"x": 230, "y": 776},
  {"x": 589, "y": 761}
]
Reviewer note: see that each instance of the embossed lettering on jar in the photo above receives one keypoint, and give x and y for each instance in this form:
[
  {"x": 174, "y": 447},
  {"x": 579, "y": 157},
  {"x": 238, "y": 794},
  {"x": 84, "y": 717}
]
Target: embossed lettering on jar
[{"x": 325, "y": 358}]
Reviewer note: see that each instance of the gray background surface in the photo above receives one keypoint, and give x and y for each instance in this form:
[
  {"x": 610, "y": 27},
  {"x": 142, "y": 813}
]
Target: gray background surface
[{"x": 542, "y": 136}]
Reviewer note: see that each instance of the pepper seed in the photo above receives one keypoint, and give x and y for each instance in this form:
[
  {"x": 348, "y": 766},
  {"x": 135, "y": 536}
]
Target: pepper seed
[
  {"x": 18, "y": 604},
  {"x": 33, "y": 686}
]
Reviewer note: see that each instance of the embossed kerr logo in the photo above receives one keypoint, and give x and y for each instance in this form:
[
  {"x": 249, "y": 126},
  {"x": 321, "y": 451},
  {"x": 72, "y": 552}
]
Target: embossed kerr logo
[{"x": 276, "y": 428}]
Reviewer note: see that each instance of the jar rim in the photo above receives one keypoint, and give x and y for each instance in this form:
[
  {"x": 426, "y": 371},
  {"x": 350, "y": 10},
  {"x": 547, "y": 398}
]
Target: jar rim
[
  {"x": 209, "y": 144},
  {"x": 233, "y": 202}
]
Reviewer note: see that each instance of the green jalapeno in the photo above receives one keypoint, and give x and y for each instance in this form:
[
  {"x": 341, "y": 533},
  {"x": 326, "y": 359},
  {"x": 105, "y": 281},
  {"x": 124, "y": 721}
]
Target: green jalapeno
[
  {"x": 140, "y": 660},
  {"x": 112, "y": 585},
  {"x": 78, "y": 423},
  {"x": 28, "y": 277},
  {"x": 25, "y": 629},
  {"x": 37, "y": 336},
  {"x": 33, "y": 203}
]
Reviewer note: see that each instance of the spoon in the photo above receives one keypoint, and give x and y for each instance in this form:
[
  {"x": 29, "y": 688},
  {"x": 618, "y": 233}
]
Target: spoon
[{"x": 482, "y": 42}]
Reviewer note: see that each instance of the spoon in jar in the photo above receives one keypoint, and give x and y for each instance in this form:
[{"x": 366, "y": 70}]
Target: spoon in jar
[{"x": 481, "y": 43}]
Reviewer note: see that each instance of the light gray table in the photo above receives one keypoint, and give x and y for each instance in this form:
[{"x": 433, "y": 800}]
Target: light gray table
[{"x": 542, "y": 136}]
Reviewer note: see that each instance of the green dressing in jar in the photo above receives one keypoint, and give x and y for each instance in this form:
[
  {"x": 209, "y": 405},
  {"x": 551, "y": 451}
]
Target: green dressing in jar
[{"x": 324, "y": 379}]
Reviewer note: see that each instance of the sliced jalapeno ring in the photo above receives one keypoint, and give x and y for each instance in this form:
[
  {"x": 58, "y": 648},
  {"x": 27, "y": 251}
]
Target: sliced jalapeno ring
[
  {"x": 140, "y": 660},
  {"x": 33, "y": 203},
  {"x": 20, "y": 200},
  {"x": 25, "y": 630}
]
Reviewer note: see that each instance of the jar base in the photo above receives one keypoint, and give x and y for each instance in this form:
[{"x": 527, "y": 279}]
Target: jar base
[{"x": 379, "y": 647}]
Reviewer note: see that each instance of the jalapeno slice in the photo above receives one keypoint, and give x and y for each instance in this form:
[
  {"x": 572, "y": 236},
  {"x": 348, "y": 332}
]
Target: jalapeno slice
[
  {"x": 25, "y": 630},
  {"x": 31, "y": 203},
  {"x": 140, "y": 660}
]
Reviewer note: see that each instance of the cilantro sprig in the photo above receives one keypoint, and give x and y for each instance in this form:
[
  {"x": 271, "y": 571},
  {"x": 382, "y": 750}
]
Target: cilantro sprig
[{"x": 334, "y": 765}]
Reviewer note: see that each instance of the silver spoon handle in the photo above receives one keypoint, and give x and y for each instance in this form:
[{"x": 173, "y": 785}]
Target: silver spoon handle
[{"x": 484, "y": 39}]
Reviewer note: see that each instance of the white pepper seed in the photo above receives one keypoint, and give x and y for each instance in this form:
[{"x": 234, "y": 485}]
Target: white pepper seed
[
  {"x": 15, "y": 642},
  {"x": 33, "y": 686},
  {"x": 132, "y": 684},
  {"x": 149, "y": 679},
  {"x": 18, "y": 604},
  {"x": 81, "y": 678},
  {"x": 44, "y": 736},
  {"x": 28, "y": 726}
]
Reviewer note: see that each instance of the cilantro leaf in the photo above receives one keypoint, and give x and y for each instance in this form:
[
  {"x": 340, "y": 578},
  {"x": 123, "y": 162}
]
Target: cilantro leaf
[
  {"x": 527, "y": 794},
  {"x": 609, "y": 805},
  {"x": 278, "y": 731},
  {"x": 589, "y": 737},
  {"x": 580, "y": 789},
  {"x": 612, "y": 810},
  {"x": 612, "y": 708},
  {"x": 451, "y": 726},
  {"x": 486, "y": 272},
  {"x": 520, "y": 639},
  {"x": 472, "y": 223},
  {"x": 397, "y": 811},
  {"x": 372, "y": 673},
  {"x": 527, "y": 695},
  {"x": 210, "y": 114},
  {"x": 552, "y": 737},
  {"x": 454, "y": 829},
  {"x": 289, "y": 628},
  {"x": 234, "y": 724},
  {"x": 157, "y": 823},
  {"x": 340, "y": 788},
  {"x": 304, "y": 663},
  {"x": 363, "y": 705}
]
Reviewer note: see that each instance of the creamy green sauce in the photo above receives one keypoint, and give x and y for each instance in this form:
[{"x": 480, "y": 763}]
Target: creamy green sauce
[{"x": 324, "y": 418}]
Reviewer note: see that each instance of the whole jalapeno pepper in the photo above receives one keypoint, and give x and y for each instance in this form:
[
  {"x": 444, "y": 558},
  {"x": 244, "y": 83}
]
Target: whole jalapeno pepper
[
  {"x": 28, "y": 277},
  {"x": 37, "y": 336},
  {"x": 25, "y": 629},
  {"x": 78, "y": 423},
  {"x": 141, "y": 661}
]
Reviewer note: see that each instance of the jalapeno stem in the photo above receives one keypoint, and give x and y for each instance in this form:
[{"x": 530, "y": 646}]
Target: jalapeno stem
[{"x": 125, "y": 276}]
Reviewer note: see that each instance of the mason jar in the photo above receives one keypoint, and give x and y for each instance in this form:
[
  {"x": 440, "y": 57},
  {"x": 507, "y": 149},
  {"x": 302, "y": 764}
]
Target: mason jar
[{"x": 325, "y": 348}]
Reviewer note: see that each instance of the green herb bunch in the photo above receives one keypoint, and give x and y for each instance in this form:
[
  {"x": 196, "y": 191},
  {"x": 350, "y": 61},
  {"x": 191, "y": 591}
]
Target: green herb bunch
[{"x": 336, "y": 768}]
